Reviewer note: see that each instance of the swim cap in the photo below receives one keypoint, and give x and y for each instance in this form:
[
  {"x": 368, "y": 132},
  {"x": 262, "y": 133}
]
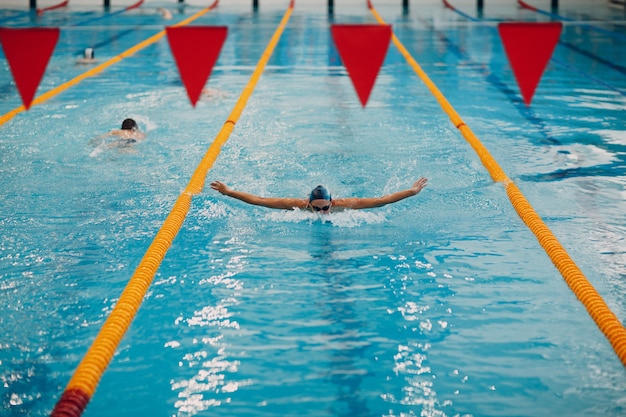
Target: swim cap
[
  {"x": 129, "y": 124},
  {"x": 320, "y": 193},
  {"x": 89, "y": 53}
]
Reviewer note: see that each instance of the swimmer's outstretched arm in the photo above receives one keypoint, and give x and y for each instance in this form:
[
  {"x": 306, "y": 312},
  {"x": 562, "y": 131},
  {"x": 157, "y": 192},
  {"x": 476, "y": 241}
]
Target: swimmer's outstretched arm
[
  {"x": 269, "y": 202},
  {"x": 363, "y": 203}
]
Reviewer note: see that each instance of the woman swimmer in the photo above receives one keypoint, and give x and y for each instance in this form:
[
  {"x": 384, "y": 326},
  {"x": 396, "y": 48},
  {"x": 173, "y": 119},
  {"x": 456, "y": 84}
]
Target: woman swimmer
[{"x": 320, "y": 199}]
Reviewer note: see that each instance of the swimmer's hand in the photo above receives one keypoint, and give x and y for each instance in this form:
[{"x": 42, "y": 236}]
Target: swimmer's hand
[
  {"x": 419, "y": 184},
  {"x": 220, "y": 187}
]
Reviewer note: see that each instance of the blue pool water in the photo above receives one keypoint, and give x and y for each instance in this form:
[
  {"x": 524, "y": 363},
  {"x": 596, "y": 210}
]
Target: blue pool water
[{"x": 440, "y": 305}]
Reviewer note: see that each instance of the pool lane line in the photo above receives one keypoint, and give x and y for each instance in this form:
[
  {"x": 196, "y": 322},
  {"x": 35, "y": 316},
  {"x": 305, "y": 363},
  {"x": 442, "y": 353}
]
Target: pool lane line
[
  {"x": 131, "y": 7},
  {"x": 525, "y": 111},
  {"x": 83, "y": 383},
  {"x": 564, "y": 64},
  {"x": 106, "y": 41},
  {"x": 119, "y": 35},
  {"x": 566, "y": 19},
  {"x": 608, "y": 63},
  {"x": 101, "y": 67},
  {"x": 617, "y": 167},
  {"x": 454, "y": 9},
  {"x": 605, "y": 319},
  {"x": 513, "y": 96},
  {"x": 81, "y": 387},
  {"x": 196, "y": 183},
  {"x": 53, "y": 7}
]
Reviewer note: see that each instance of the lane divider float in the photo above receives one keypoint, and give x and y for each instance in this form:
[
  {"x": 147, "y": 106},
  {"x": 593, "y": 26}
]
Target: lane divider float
[
  {"x": 87, "y": 375},
  {"x": 608, "y": 323},
  {"x": 109, "y": 15},
  {"x": 101, "y": 67}
]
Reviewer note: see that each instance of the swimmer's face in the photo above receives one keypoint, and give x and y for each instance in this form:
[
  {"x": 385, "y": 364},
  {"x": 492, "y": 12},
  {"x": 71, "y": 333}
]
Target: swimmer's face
[{"x": 321, "y": 206}]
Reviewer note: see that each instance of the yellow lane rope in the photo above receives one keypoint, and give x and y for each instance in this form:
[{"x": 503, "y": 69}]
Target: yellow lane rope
[
  {"x": 83, "y": 383},
  {"x": 608, "y": 323},
  {"x": 101, "y": 67},
  {"x": 196, "y": 184}
]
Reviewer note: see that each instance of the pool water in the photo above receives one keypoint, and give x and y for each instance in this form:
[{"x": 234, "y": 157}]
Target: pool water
[{"x": 443, "y": 304}]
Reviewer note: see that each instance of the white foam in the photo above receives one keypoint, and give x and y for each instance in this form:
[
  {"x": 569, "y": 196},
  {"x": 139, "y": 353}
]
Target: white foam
[{"x": 346, "y": 218}]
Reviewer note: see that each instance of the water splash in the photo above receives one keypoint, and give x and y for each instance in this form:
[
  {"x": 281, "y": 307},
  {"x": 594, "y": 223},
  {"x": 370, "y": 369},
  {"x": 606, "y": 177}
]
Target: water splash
[{"x": 347, "y": 218}]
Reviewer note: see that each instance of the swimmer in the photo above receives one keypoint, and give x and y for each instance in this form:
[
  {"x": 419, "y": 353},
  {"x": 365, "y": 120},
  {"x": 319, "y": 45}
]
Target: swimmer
[
  {"x": 129, "y": 132},
  {"x": 124, "y": 139},
  {"x": 88, "y": 57},
  {"x": 166, "y": 14},
  {"x": 127, "y": 135},
  {"x": 320, "y": 199}
]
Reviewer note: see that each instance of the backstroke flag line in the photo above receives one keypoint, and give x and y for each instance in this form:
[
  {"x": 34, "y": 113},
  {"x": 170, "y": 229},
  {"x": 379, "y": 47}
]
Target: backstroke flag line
[
  {"x": 28, "y": 51},
  {"x": 195, "y": 50},
  {"x": 529, "y": 47},
  {"x": 362, "y": 49}
]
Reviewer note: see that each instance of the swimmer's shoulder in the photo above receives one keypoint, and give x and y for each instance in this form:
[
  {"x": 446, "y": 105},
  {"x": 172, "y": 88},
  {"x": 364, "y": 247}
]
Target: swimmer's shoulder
[{"x": 128, "y": 135}]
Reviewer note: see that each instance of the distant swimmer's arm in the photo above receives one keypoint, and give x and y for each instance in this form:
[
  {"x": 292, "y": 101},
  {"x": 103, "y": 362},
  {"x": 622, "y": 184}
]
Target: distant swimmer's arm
[
  {"x": 126, "y": 134},
  {"x": 364, "y": 203},
  {"x": 269, "y": 202},
  {"x": 98, "y": 139}
]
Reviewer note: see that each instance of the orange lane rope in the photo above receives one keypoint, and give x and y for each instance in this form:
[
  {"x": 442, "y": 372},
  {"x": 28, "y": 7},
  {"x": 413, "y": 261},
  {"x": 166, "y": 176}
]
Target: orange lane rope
[
  {"x": 101, "y": 67},
  {"x": 608, "y": 323},
  {"x": 83, "y": 383}
]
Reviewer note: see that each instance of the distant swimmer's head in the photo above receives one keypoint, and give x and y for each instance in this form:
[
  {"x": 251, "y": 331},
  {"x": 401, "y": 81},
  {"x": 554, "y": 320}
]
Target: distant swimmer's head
[
  {"x": 89, "y": 53},
  {"x": 320, "y": 199},
  {"x": 129, "y": 124}
]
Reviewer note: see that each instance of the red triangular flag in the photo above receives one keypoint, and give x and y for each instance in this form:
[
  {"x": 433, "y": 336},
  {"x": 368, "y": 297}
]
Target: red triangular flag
[
  {"x": 28, "y": 51},
  {"x": 362, "y": 49},
  {"x": 529, "y": 47},
  {"x": 195, "y": 50}
]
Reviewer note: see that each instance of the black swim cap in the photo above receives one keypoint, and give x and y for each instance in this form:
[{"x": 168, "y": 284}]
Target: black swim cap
[
  {"x": 320, "y": 193},
  {"x": 129, "y": 124}
]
